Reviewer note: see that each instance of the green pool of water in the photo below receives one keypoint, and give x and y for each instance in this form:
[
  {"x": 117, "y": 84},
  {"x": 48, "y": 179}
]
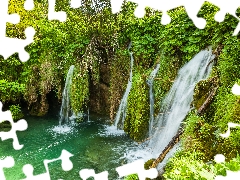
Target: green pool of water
[{"x": 91, "y": 149}]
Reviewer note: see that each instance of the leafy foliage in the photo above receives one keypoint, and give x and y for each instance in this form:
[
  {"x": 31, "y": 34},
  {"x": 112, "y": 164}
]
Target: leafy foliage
[
  {"x": 191, "y": 166},
  {"x": 93, "y": 35},
  {"x": 11, "y": 91},
  {"x": 188, "y": 166},
  {"x": 136, "y": 123},
  {"x": 131, "y": 177},
  {"x": 16, "y": 112}
]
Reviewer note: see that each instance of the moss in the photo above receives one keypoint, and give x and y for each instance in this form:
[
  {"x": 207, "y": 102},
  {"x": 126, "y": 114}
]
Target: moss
[
  {"x": 148, "y": 163},
  {"x": 202, "y": 90},
  {"x": 119, "y": 68},
  {"x": 16, "y": 111},
  {"x": 136, "y": 122},
  {"x": 79, "y": 89},
  {"x": 188, "y": 166},
  {"x": 39, "y": 108},
  {"x": 202, "y": 134}
]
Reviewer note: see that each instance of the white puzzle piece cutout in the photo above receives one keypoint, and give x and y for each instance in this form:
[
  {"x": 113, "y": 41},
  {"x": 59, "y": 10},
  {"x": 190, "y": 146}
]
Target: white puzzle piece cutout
[
  {"x": 7, "y": 162},
  {"x": 9, "y": 46},
  {"x": 219, "y": 158},
  {"x": 29, "y": 5},
  {"x": 192, "y": 8},
  {"x": 75, "y": 3},
  {"x": 53, "y": 15},
  {"x": 137, "y": 167},
  {"x": 236, "y": 89},
  {"x": 20, "y": 125},
  {"x": 231, "y": 175},
  {"x": 87, "y": 173},
  {"x": 66, "y": 166}
]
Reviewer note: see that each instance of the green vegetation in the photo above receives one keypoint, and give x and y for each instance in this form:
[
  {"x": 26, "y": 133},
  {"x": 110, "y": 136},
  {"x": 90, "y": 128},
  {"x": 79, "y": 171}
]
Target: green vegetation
[
  {"x": 91, "y": 38},
  {"x": 191, "y": 166},
  {"x": 16, "y": 112},
  {"x": 132, "y": 177},
  {"x": 11, "y": 91},
  {"x": 136, "y": 123}
]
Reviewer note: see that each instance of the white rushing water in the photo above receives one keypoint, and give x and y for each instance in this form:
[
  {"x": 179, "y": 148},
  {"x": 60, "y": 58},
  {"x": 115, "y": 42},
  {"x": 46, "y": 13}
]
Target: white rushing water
[
  {"x": 65, "y": 107},
  {"x": 150, "y": 81},
  {"x": 111, "y": 131},
  {"x": 62, "y": 129},
  {"x": 174, "y": 109},
  {"x": 176, "y": 104},
  {"x": 122, "y": 110}
]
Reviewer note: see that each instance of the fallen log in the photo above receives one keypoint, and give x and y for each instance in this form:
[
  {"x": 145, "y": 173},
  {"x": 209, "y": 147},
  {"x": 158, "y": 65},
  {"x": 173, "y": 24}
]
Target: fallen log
[
  {"x": 207, "y": 101},
  {"x": 170, "y": 145}
]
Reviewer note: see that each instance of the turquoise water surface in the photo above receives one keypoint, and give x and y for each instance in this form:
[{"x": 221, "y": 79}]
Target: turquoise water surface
[{"x": 90, "y": 143}]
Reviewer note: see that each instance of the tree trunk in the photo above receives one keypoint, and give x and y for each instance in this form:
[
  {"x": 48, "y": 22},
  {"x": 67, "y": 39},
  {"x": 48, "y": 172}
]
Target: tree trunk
[
  {"x": 170, "y": 145},
  {"x": 208, "y": 101}
]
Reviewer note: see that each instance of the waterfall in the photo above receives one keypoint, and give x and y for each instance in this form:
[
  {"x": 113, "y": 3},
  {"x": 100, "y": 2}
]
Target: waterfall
[
  {"x": 123, "y": 105},
  {"x": 176, "y": 104},
  {"x": 151, "y": 98},
  {"x": 65, "y": 108}
]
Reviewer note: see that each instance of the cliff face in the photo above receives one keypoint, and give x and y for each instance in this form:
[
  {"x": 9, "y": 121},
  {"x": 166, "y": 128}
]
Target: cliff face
[{"x": 99, "y": 91}]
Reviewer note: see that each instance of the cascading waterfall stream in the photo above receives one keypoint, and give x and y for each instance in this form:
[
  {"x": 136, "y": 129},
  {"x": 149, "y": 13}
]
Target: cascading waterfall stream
[
  {"x": 65, "y": 107},
  {"x": 176, "y": 104},
  {"x": 151, "y": 97},
  {"x": 123, "y": 105}
]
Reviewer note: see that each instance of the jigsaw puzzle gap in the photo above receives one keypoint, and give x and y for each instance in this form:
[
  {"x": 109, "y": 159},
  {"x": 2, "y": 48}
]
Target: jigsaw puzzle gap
[
  {"x": 53, "y": 15},
  {"x": 75, "y": 3},
  {"x": 192, "y": 8},
  {"x": 87, "y": 173},
  {"x": 10, "y": 46},
  {"x": 29, "y": 5},
  {"x": 66, "y": 166},
  {"x": 20, "y": 125},
  {"x": 137, "y": 167},
  {"x": 7, "y": 162}
]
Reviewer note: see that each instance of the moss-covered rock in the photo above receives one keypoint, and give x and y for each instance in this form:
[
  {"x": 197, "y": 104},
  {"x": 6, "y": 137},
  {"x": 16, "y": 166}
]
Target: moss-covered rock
[
  {"x": 203, "y": 90},
  {"x": 137, "y": 120},
  {"x": 149, "y": 163}
]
